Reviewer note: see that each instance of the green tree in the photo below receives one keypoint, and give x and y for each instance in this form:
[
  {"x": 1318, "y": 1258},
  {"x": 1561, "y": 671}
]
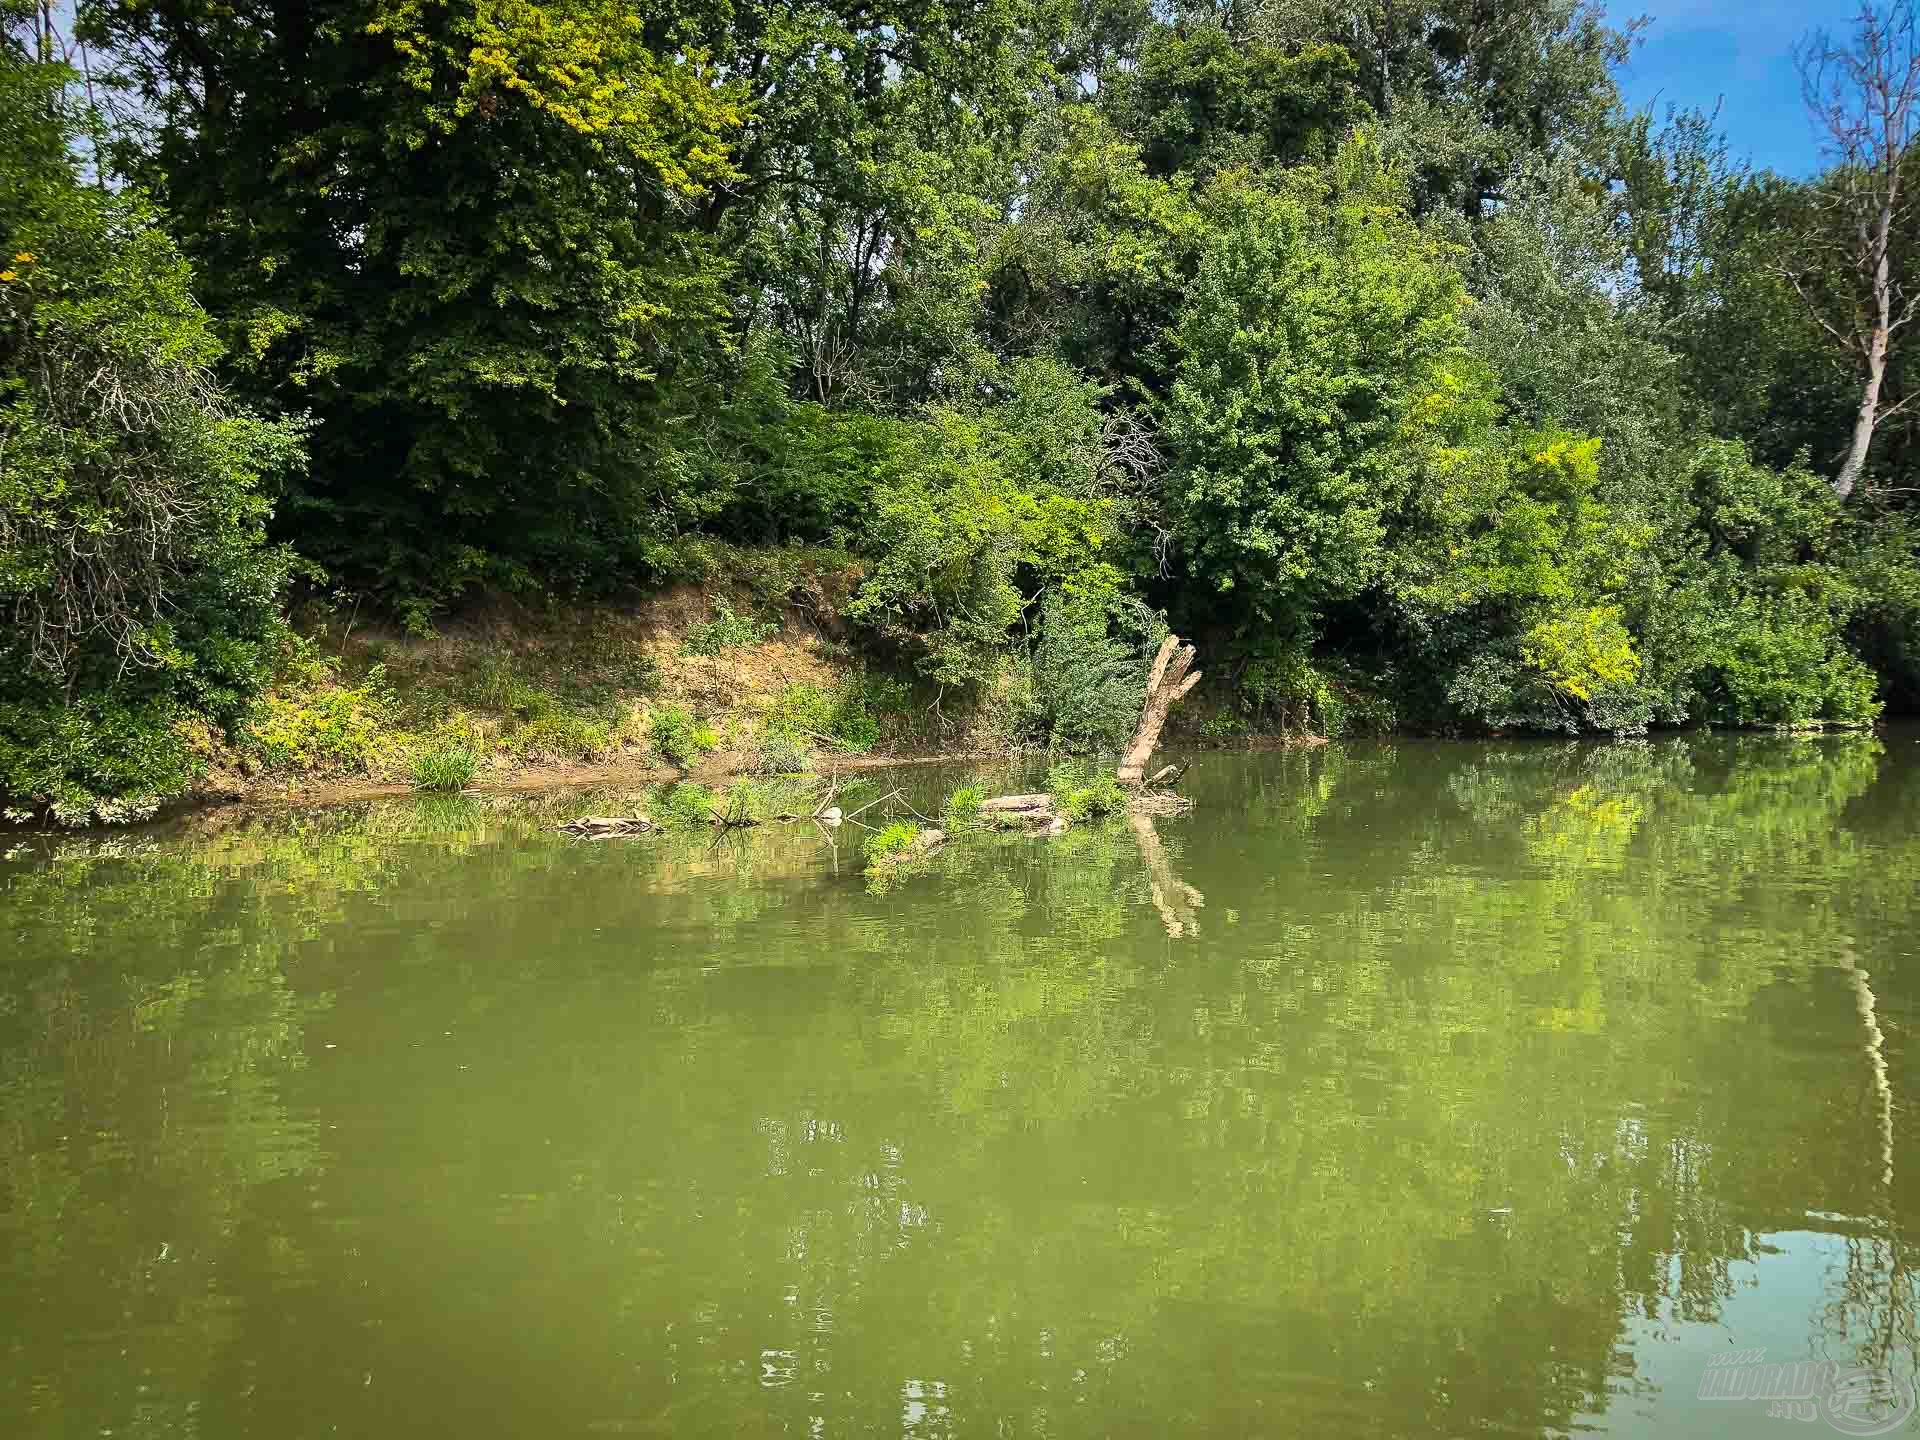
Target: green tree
[
  {"x": 457, "y": 231},
  {"x": 1470, "y": 89},
  {"x": 1202, "y": 99},
  {"x": 1319, "y": 319},
  {"x": 137, "y": 594}
]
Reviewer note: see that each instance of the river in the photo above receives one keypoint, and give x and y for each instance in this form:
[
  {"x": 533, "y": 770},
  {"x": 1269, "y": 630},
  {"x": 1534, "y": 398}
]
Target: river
[{"x": 1413, "y": 1089}]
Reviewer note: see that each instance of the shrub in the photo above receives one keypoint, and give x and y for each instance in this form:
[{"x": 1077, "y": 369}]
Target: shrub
[
  {"x": 783, "y": 753},
  {"x": 725, "y": 631},
  {"x": 680, "y": 737},
  {"x": 1083, "y": 794},
  {"x": 97, "y": 759},
  {"x": 689, "y": 804},
  {"x": 844, "y": 718},
  {"x": 138, "y": 596},
  {"x": 444, "y": 766},
  {"x": 1577, "y": 670},
  {"x": 1285, "y": 688},
  {"x": 1087, "y": 683},
  {"x": 1223, "y": 725},
  {"x": 566, "y": 735},
  {"x": 314, "y": 721},
  {"x": 965, "y": 504},
  {"x": 499, "y": 686},
  {"x": 1788, "y": 668}
]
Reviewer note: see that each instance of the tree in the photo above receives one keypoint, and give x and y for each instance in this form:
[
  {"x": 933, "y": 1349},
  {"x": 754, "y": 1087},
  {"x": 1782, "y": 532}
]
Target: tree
[
  {"x": 136, "y": 590},
  {"x": 1468, "y": 89},
  {"x": 460, "y": 234},
  {"x": 1202, "y": 99},
  {"x": 1862, "y": 93},
  {"x": 1320, "y": 317}
]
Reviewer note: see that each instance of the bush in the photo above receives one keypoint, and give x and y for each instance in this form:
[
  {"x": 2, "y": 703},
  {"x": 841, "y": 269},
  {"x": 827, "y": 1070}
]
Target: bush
[
  {"x": 680, "y": 737},
  {"x": 1284, "y": 687},
  {"x": 563, "y": 736},
  {"x": 1083, "y": 794},
  {"x": 314, "y": 721},
  {"x": 96, "y": 759},
  {"x": 1575, "y": 671},
  {"x": 688, "y": 804},
  {"x": 783, "y": 753},
  {"x": 1787, "y": 668},
  {"x": 970, "y": 501},
  {"x": 448, "y": 765},
  {"x": 1088, "y": 684},
  {"x": 844, "y": 718},
  {"x": 725, "y": 631},
  {"x": 138, "y": 596}
]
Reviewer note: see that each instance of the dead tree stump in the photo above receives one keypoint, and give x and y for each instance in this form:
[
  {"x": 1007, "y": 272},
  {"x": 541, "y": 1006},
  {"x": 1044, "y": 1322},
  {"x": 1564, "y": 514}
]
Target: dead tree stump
[{"x": 1168, "y": 681}]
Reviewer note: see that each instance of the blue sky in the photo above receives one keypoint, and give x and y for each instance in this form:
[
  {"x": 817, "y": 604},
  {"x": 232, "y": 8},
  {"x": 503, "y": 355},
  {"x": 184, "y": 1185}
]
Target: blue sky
[{"x": 1738, "y": 53}]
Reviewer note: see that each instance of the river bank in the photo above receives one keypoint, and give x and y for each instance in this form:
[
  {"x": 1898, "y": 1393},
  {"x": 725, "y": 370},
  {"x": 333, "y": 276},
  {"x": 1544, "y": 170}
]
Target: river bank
[{"x": 705, "y": 683}]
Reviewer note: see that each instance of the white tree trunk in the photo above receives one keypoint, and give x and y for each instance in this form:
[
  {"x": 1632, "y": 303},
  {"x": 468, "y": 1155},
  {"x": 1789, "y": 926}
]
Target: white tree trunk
[{"x": 1166, "y": 683}]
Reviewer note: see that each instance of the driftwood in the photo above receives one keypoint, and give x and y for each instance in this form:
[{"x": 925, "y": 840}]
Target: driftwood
[
  {"x": 602, "y": 827},
  {"x": 1167, "y": 682},
  {"x": 1016, "y": 804},
  {"x": 1035, "y": 811}
]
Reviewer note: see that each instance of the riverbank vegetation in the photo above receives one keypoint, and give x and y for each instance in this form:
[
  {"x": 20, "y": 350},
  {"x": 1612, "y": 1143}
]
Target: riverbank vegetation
[{"x": 1382, "y": 350}]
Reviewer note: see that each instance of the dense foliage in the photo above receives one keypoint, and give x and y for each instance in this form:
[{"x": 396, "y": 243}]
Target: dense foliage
[
  {"x": 137, "y": 593},
  {"x": 1378, "y": 347}
]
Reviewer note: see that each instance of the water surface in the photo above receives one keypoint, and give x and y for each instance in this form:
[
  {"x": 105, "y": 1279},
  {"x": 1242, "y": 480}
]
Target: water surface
[{"x": 1397, "y": 1090}]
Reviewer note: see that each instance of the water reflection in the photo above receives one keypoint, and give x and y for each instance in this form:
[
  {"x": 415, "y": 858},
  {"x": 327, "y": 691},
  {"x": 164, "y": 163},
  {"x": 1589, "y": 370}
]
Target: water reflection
[{"x": 1502, "y": 1088}]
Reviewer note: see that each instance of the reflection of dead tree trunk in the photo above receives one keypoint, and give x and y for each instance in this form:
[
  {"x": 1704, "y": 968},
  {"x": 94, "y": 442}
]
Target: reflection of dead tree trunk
[
  {"x": 1167, "y": 683},
  {"x": 1172, "y": 897},
  {"x": 1863, "y": 1000}
]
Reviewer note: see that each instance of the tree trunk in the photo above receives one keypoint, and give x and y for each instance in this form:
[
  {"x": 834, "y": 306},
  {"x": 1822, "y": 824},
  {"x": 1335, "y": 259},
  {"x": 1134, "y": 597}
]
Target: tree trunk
[
  {"x": 1868, "y": 414},
  {"x": 1166, "y": 683}
]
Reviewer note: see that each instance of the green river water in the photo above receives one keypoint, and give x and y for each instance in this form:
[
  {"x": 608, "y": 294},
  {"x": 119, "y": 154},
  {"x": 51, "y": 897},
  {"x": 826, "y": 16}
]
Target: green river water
[{"x": 1412, "y": 1089}]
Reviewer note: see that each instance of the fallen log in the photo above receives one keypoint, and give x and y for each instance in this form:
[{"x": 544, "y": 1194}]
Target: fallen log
[
  {"x": 1167, "y": 683},
  {"x": 599, "y": 826},
  {"x": 1012, "y": 804}
]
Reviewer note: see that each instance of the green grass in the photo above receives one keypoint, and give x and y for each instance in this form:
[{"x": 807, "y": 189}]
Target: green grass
[
  {"x": 894, "y": 839},
  {"x": 1081, "y": 793},
  {"x": 963, "y": 807},
  {"x": 444, "y": 766}
]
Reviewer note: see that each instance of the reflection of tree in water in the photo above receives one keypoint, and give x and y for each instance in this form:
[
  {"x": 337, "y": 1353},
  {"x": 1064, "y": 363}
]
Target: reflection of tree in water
[
  {"x": 1869, "y": 1319},
  {"x": 1175, "y": 900}
]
